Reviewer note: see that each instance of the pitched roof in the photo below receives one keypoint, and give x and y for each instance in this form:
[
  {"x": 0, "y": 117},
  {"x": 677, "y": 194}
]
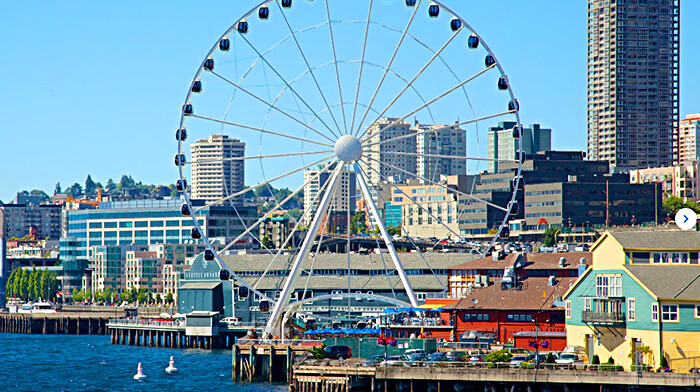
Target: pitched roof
[
  {"x": 335, "y": 261},
  {"x": 199, "y": 285},
  {"x": 529, "y": 261},
  {"x": 529, "y": 298},
  {"x": 358, "y": 283},
  {"x": 658, "y": 239},
  {"x": 681, "y": 282}
]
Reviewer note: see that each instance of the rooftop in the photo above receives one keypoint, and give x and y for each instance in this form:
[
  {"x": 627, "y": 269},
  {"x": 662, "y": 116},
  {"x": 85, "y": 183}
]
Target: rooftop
[
  {"x": 681, "y": 282},
  {"x": 529, "y": 261},
  {"x": 536, "y": 294},
  {"x": 661, "y": 240}
]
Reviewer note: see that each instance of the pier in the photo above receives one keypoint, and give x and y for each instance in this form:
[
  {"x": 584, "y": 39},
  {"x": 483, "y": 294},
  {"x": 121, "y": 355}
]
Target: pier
[
  {"x": 459, "y": 378},
  {"x": 145, "y": 332},
  {"x": 54, "y": 323}
]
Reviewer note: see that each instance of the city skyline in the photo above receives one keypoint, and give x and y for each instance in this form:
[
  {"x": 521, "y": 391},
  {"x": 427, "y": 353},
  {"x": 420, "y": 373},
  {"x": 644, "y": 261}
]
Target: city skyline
[{"x": 95, "y": 82}]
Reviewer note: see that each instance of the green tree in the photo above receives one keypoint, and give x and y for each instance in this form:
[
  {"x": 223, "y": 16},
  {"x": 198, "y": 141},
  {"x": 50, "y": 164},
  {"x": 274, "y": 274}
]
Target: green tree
[
  {"x": 75, "y": 190},
  {"x": 266, "y": 241},
  {"x": 109, "y": 295},
  {"x": 357, "y": 222},
  {"x": 40, "y": 193},
  {"x": 90, "y": 186},
  {"x": 499, "y": 356},
  {"x": 24, "y": 285},
  {"x": 111, "y": 187},
  {"x": 9, "y": 284},
  {"x": 57, "y": 189},
  {"x": 17, "y": 284},
  {"x": 33, "y": 293},
  {"x": 550, "y": 236},
  {"x": 158, "y": 298},
  {"x": 142, "y": 296},
  {"x": 394, "y": 230},
  {"x": 44, "y": 283},
  {"x": 672, "y": 204},
  {"x": 169, "y": 297}
]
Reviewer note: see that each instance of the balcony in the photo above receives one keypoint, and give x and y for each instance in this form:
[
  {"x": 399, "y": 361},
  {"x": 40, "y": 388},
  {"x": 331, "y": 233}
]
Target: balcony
[{"x": 603, "y": 317}]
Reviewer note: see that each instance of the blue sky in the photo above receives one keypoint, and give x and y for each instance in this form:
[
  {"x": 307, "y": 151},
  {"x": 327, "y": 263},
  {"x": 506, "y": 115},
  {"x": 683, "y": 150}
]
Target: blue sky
[{"x": 96, "y": 87}]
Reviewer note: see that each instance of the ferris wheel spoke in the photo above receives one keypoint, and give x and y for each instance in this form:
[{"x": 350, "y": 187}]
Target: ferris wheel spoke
[
  {"x": 436, "y": 183},
  {"x": 439, "y": 97},
  {"x": 233, "y": 124},
  {"x": 303, "y": 253},
  {"x": 272, "y": 106},
  {"x": 307, "y": 211},
  {"x": 232, "y": 196},
  {"x": 388, "y": 66},
  {"x": 385, "y": 236},
  {"x": 275, "y": 208},
  {"x": 290, "y": 154},
  {"x": 404, "y": 229},
  {"x": 289, "y": 86},
  {"x": 449, "y": 156},
  {"x": 419, "y": 73},
  {"x": 337, "y": 73},
  {"x": 362, "y": 63},
  {"x": 414, "y": 134},
  {"x": 308, "y": 66}
]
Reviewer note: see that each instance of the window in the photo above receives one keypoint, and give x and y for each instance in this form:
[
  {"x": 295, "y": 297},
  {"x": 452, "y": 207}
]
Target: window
[
  {"x": 654, "y": 312},
  {"x": 475, "y": 317},
  {"x": 337, "y": 292},
  {"x": 697, "y": 311},
  {"x": 631, "y": 309},
  {"x": 523, "y": 318},
  {"x": 608, "y": 286},
  {"x": 669, "y": 312},
  {"x": 586, "y": 304},
  {"x": 421, "y": 296},
  {"x": 568, "y": 308}
]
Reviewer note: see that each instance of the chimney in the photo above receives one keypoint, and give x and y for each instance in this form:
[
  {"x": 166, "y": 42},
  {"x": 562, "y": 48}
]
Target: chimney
[
  {"x": 582, "y": 260},
  {"x": 552, "y": 280},
  {"x": 562, "y": 262}
]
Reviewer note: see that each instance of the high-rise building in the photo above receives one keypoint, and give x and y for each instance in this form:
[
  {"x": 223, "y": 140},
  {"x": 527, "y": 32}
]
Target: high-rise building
[
  {"x": 42, "y": 221},
  {"x": 215, "y": 174},
  {"x": 502, "y": 145},
  {"x": 446, "y": 140},
  {"x": 389, "y": 144},
  {"x": 633, "y": 72},
  {"x": 345, "y": 193},
  {"x": 689, "y": 139}
]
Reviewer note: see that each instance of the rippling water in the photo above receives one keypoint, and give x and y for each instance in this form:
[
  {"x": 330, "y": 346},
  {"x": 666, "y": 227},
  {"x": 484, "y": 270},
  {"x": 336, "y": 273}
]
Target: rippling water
[{"x": 90, "y": 363}]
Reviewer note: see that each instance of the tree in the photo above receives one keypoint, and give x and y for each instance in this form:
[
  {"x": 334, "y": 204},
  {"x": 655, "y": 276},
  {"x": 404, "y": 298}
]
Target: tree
[
  {"x": 142, "y": 296},
  {"x": 672, "y": 204},
  {"x": 169, "y": 297},
  {"x": 57, "y": 189},
  {"x": 40, "y": 193},
  {"x": 550, "y": 236},
  {"x": 32, "y": 292},
  {"x": 44, "y": 283},
  {"x": 266, "y": 241},
  {"x": 90, "y": 186},
  {"x": 499, "y": 356},
  {"x": 24, "y": 285},
  {"x": 357, "y": 224},
  {"x": 394, "y": 230},
  {"x": 9, "y": 285},
  {"x": 75, "y": 190},
  {"x": 111, "y": 187},
  {"x": 158, "y": 298},
  {"x": 17, "y": 284}
]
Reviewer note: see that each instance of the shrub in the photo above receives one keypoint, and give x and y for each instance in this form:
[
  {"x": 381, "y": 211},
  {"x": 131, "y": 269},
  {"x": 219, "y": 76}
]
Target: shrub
[
  {"x": 611, "y": 361},
  {"x": 317, "y": 351},
  {"x": 611, "y": 368},
  {"x": 550, "y": 359},
  {"x": 499, "y": 356},
  {"x": 527, "y": 365},
  {"x": 663, "y": 363},
  {"x": 595, "y": 360}
]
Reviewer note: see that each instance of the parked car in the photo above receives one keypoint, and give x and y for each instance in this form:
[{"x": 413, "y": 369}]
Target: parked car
[
  {"x": 337, "y": 352},
  {"x": 415, "y": 359},
  {"x": 569, "y": 359},
  {"x": 518, "y": 359},
  {"x": 456, "y": 356},
  {"x": 437, "y": 357},
  {"x": 537, "y": 359},
  {"x": 412, "y": 351},
  {"x": 393, "y": 360},
  {"x": 373, "y": 360},
  {"x": 477, "y": 358}
]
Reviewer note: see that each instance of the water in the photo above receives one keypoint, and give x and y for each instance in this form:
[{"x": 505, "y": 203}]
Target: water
[{"x": 46, "y": 363}]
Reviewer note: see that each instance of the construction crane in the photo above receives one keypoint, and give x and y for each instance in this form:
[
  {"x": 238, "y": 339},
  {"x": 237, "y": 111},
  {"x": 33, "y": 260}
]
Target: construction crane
[{"x": 94, "y": 203}]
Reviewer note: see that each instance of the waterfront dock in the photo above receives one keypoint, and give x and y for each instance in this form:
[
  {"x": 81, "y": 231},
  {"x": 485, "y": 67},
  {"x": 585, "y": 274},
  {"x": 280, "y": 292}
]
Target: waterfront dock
[
  {"x": 458, "y": 378},
  {"x": 55, "y": 323}
]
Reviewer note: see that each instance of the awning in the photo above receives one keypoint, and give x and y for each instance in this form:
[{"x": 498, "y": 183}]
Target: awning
[
  {"x": 430, "y": 306},
  {"x": 200, "y": 285}
]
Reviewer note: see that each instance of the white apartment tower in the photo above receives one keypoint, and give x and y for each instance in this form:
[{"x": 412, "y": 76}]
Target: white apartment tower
[
  {"x": 399, "y": 153},
  {"x": 445, "y": 140},
  {"x": 214, "y": 174},
  {"x": 689, "y": 139},
  {"x": 633, "y": 82},
  {"x": 345, "y": 193}
]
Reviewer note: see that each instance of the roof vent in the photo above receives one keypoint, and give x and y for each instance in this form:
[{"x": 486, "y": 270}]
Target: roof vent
[
  {"x": 552, "y": 280},
  {"x": 562, "y": 262},
  {"x": 582, "y": 260}
]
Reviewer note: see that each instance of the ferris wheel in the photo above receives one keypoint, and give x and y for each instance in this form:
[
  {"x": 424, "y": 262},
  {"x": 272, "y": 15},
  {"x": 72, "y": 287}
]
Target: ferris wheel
[{"x": 347, "y": 97}]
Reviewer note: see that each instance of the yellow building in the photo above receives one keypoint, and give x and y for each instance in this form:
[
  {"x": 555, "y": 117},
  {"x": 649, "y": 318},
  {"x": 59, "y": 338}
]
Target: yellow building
[{"x": 642, "y": 290}]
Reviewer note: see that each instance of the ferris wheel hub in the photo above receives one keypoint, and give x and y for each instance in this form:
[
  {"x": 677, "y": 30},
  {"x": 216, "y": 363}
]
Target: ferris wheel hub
[{"x": 348, "y": 149}]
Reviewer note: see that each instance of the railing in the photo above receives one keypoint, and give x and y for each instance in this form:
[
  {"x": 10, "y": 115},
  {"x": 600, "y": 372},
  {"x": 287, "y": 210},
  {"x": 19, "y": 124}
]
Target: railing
[
  {"x": 421, "y": 322},
  {"x": 147, "y": 323},
  {"x": 603, "y": 317}
]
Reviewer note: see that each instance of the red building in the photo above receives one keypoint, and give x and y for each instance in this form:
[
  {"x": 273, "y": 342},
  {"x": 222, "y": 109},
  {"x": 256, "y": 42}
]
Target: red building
[{"x": 513, "y": 295}]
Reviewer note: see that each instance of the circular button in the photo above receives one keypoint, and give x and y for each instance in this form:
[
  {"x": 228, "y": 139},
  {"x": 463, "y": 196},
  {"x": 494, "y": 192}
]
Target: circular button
[{"x": 686, "y": 218}]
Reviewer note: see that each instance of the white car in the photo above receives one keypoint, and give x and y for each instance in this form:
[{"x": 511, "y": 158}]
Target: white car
[
  {"x": 568, "y": 359},
  {"x": 231, "y": 321}
]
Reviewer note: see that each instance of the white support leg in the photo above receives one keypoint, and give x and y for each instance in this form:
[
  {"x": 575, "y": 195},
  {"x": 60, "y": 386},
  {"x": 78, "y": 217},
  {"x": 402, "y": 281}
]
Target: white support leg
[
  {"x": 290, "y": 284},
  {"x": 385, "y": 235}
]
